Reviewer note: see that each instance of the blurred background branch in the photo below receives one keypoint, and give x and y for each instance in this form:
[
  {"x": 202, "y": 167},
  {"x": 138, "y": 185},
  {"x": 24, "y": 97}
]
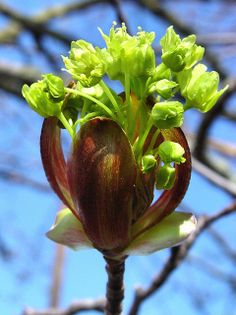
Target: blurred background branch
[{"x": 31, "y": 39}]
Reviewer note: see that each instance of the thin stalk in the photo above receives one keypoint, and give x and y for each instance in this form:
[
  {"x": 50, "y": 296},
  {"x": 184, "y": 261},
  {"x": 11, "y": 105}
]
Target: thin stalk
[
  {"x": 112, "y": 99},
  {"x": 115, "y": 288},
  {"x": 128, "y": 105},
  {"x": 93, "y": 99},
  {"x": 66, "y": 124},
  {"x": 153, "y": 141},
  {"x": 142, "y": 138}
]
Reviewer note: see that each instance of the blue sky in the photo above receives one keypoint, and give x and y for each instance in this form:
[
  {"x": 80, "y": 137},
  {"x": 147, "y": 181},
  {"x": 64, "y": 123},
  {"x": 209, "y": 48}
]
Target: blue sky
[{"x": 26, "y": 214}]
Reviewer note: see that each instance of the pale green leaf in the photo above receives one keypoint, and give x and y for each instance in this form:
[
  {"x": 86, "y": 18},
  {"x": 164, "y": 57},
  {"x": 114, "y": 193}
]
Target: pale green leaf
[
  {"x": 171, "y": 231},
  {"x": 68, "y": 230}
]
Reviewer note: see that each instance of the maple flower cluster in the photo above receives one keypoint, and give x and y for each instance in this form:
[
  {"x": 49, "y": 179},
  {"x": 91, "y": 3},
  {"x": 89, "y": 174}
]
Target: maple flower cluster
[{"x": 126, "y": 145}]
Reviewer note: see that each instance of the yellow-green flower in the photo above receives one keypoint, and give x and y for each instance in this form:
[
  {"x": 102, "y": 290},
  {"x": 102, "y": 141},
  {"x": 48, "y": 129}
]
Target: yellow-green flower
[
  {"x": 200, "y": 88},
  {"x": 180, "y": 54}
]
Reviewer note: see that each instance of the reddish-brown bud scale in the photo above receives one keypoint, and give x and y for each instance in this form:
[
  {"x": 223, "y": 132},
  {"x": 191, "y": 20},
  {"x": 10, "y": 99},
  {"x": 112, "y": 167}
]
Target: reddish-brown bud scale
[{"x": 102, "y": 174}]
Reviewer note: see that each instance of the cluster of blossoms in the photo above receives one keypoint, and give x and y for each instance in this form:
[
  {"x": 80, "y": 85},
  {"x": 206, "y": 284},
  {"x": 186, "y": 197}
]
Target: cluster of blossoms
[{"x": 123, "y": 145}]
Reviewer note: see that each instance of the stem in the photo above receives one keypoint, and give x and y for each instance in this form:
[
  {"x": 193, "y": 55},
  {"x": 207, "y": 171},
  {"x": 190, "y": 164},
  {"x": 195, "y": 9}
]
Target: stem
[
  {"x": 128, "y": 105},
  {"x": 112, "y": 99},
  {"x": 153, "y": 141},
  {"x": 115, "y": 288},
  {"x": 142, "y": 138},
  {"x": 93, "y": 99},
  {"x": 66, "y": 124}
]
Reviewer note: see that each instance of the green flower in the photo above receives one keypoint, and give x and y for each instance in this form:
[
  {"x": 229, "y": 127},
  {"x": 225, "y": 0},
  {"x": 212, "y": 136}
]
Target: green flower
[
  {"x": 85, "y": 63},
  {"x": 165, "y": 177},
  {"x": 44, "y": 97},
  {"x": 180, "y": 54},
  {"x": 164, "y": 88},
  {"x": 167, "y": 114},
  {"x": 148, "y": 163},
  {"x": 200, "y": 88},
  {"x": 129, "y": 55},
  {"x": 54, "y": 86},
  {"x": 170, "y": 151}
]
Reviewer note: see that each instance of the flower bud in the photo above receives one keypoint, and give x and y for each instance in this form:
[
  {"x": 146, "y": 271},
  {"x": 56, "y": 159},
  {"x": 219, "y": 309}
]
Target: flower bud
[
  {"x": 167, "y": 115},
  {"x": 39, "y": 100},
  {"x": 129, "y": 55},
  {"x": 200, "y": 88},
  {"x": 175, "y": 59},
  {"x": 164, "y": 88},
  {"x": 179, "y": 54},
  {"x": 170, "y": 151},
  {"x": 148, "y": 163},
  {"x": 54, "y": 86},
  {"x": 165, "y": 177}
]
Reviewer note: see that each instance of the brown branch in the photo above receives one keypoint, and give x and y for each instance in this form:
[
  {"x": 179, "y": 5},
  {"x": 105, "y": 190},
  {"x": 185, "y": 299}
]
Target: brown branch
[
  {"x": 217, "y": 179},
  {"x": 74, "y": 308},
  {"x": 178, "y": 254},
  {"x": 16, "y": 178},
  {"x": 37, "y": 23},
  {"x": 11, "y": 80},
  {"x": 115, "y": 287},
  {"x": 32, "y": 24},
  {"x": 214, "y": 271},
  {"x": 65, "y": 9},
  {"x": 13, "y": 77},
  {"x": 226, "y": 248},
  {"x": 225, "y": 148},
  {"x": 230, "y": 115},
  {"x": 226, "y": 38}
]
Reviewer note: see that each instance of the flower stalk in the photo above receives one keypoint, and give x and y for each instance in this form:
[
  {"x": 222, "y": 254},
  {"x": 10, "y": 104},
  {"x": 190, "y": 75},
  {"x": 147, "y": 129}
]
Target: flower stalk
[{"x": 115, "y": 286}]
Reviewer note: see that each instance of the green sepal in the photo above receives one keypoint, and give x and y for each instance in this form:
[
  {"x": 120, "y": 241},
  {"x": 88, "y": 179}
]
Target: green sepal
[
  {"x": 165, "y": 177},
  {"x": 68, "y": 230},
  {"x": 171, "y": 231},
  {"x": 167, "y": 114},
  {"x": 170, "y": 151}
]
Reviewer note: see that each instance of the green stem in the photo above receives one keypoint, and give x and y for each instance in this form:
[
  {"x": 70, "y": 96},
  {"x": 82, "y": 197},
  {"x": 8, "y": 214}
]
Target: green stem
[
  {"x": 141, "y": 141},
  {"x": 187, "y": 106},
  {"x": 130, "y": 125},
  {"x": 112, "y": 99},
  {"x": 153, "y": 141},
  {"x": 86, "y": 118},
  {"x": 66, "y": 124},
  {"x": 84, "y": 109},
  {"x": 93, "y": 99}
]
